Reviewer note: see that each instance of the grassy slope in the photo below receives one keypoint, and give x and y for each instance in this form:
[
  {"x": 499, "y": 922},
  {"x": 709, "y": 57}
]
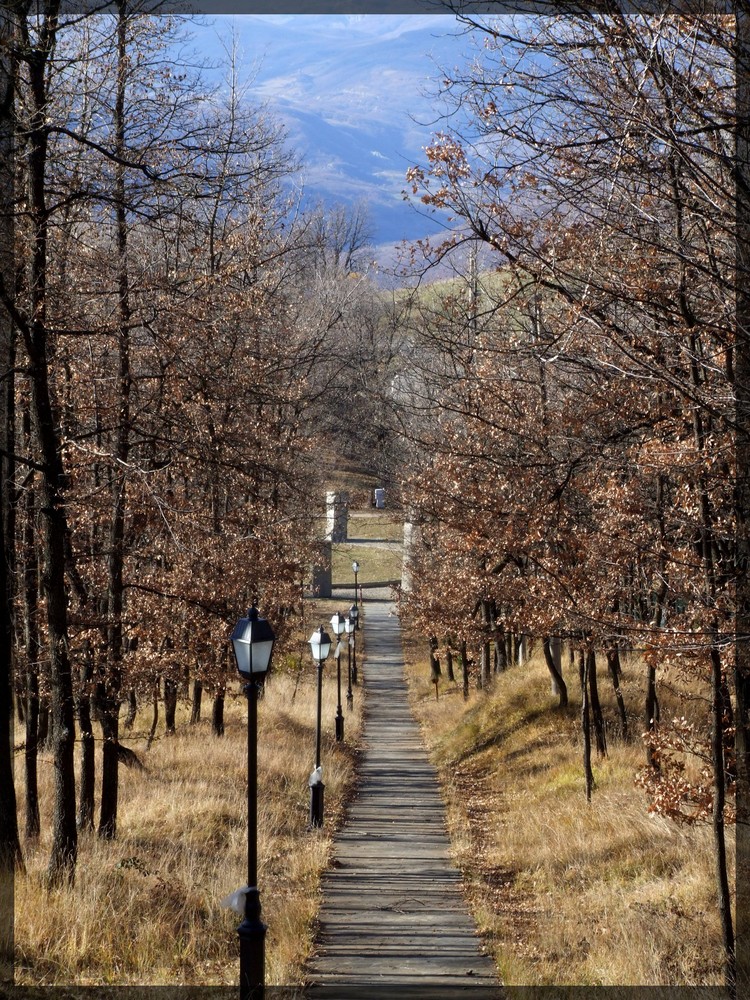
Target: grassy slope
[
  {"x": 145, "y": 908},
  {"x": 565, "y": 893},
  {"x": 376, "y": 565},
  {"x": 375, "y": 525}
]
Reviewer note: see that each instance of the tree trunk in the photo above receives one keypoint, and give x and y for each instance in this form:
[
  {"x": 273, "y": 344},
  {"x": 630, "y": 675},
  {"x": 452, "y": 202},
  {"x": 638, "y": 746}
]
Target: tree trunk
[
  {"x": 557, "y": 677},
  {"x": 115, "y": 563},
  {"x": 449, "y": 663},
  {"x": 64, "y": 850},
  {"x": 657, "y": 615},
  {"x": 88, "y": 765},
  {"x": 485, "y": 669},
  {"x": 195, "y": 712},
  {"x": 34, "y": 732},
  {"x": 501, "y": 657},
  {"x": 43, "y": 732},
  {"x": 217, "y": 714},
  {"x": 435, "y": 671},
  {"x": 465, "y": 669},
  {"x": 170, "y": 704},
  {"x": 613, "y": 663},
  {"x": 718, "y": 766},
  {"x": 483, "y": 676},
  {"x": 107, "y": 829},
  {"x": 10, "y": 845},
  {"x": 652, "y": 713},
  {"x": 742, "y": 494},
  {"x": 719, "y": 797},
  {"x": 31, "y": 752},
  {"x": 583, "y": 670},
  {"x": 132, "y": 709},
  {"x": 596, "y": 707},
  {"x": 555, "y": 649},
  {"x": 155, "y": 714}
]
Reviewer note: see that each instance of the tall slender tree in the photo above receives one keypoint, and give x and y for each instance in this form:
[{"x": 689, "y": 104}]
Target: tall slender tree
[
  {"x": 37, "y": 41},
  {"x": 10, "y": 848}
]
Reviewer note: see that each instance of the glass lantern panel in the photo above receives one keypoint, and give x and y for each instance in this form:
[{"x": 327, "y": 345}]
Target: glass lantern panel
[
  {"x": 252, "y": 641},
  {"x": 320, "y": 645}
]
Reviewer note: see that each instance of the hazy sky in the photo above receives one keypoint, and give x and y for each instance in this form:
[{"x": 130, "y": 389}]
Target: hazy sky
[{"x": 357, "y": 96}]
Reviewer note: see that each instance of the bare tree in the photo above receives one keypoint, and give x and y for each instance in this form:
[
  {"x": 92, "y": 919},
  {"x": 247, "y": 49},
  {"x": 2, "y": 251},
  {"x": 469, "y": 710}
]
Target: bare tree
[
  {"x": 589, "y": 158},
  {"x": 10, "y": 849}
]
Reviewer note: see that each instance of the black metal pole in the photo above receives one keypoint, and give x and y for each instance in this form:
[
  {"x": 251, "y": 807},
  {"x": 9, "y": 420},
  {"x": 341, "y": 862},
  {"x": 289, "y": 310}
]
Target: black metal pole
[
  {"x": 320, "y": 706},
  {"x": 354, "y": 657},
  {"x": 317, "y": 788},
  {"x": 349, "y": 694},
  {"x": 339, "y": 713},
  {"x": 356, "y": 602},
  {"x": 252, "y": 930}
]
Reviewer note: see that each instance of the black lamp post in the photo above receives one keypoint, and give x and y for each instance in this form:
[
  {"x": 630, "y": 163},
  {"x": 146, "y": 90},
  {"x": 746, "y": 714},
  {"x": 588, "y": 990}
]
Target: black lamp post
[
  {"x": 350, "y": 624},
  {"x": 354, "y": 615},
  {"x": 338, "y": 623},
  {"x": 252, "y": 641},
  {"x": 320, "y": 646},
  {"x": 355, "y": 568}
]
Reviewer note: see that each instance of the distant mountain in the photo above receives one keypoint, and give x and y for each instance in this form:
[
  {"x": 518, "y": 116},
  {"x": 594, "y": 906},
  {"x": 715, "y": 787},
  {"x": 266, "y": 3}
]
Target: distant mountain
[{"x": 354, "y": 93}]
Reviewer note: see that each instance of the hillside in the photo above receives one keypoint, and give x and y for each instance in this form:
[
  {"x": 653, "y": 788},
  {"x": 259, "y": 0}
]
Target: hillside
[{"x": 565, "y": 893}]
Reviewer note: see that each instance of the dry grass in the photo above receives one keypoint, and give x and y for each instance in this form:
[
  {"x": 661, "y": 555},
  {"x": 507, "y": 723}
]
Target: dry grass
[
  {"x": 145, "y": 908},
  {"x": 376, "y": 565},
  {"x": 566, "y": 893},
  {"x": 375, "y": 526}
]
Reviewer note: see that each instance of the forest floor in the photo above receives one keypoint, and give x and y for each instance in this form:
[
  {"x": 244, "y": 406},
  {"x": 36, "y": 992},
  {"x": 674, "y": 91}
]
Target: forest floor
[{"x": 565, "y": 892}]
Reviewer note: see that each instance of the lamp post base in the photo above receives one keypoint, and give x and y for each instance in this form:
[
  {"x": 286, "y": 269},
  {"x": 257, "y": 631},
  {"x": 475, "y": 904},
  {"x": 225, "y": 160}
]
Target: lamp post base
[
  {"x": 349, "y": 700},
  {"x": 252, "y": 935},
  {"x": 316, "y": 803},
  {"x": 339, "y": 726}
]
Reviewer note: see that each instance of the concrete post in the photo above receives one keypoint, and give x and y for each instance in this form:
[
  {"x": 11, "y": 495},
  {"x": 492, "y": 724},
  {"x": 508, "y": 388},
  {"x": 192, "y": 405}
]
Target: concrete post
[
  {"x": 322, "y": 582},
  {"x": 410, "y": 533},
  {"x": 337, "y": 516}
]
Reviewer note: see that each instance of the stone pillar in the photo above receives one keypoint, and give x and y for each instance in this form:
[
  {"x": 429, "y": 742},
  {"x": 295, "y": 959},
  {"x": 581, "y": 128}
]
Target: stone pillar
[
  {"x": 522, "y": 646},
  {"x": 410, "y": 537},
  {"x": 337, "y": 511},
  {"x": 321, "y": 573}
]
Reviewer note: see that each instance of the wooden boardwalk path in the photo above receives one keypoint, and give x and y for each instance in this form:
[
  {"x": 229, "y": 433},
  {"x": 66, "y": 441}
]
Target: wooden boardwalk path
[{"x": 393, "y": 921}]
